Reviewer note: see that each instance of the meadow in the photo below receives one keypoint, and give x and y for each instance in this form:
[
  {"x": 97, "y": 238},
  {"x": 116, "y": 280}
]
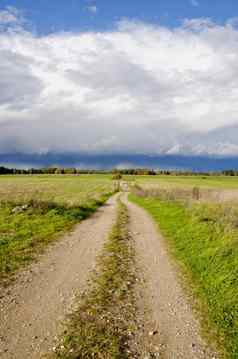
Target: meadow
[
  {"x": 62, "y": 189},
  {"x": 215, "y": 182},
  {"x": 34, "y": 210},
  {"x": 201, "y": 237}
]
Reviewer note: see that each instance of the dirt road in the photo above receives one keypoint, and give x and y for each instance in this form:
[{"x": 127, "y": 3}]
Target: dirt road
[
  {"x": 171, "y": 314},
  {"x": 32, "y": 310}
]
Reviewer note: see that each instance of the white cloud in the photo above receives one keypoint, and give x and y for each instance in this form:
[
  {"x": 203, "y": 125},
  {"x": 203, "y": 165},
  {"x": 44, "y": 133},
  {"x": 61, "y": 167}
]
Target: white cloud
[
  {"x": 140, "y": 88},
  {"x": 198, "y": 24},
  {"x": 92, "y": 8},
  {"x": 11, "y": 16},
  {"x": 8, "y": 16},
  {"x": 194, "y": 3}
]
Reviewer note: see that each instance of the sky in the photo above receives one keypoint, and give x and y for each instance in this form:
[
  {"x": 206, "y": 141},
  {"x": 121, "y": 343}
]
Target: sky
[{"x": 119, "y": 78}]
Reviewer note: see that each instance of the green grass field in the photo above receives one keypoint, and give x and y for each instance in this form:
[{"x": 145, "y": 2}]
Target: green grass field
[
  {"x": 63, "y": 189},
  {"x": 53, "y": 205},
  {"x": 203, "y": 238},
  {"x": 223, "y": 182}
]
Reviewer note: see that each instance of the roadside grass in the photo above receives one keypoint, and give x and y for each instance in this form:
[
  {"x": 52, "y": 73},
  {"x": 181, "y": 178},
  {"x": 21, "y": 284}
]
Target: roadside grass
[
  {"x": 25, "y": 232},
  {"x": 203, "y": 238},
  {"x": 35, "y": 210},
  {"x": 104, "y": 323}
]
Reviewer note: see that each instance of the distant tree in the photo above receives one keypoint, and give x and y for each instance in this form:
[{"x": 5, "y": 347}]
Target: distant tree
[
  {"x": 117, "y": 176},
  {"x": 70, "y": 171},
  {"x": 59, "y": 171}
]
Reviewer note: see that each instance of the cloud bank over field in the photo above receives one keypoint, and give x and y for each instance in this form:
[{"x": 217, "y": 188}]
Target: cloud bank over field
[{"x": 138, "y": 88}]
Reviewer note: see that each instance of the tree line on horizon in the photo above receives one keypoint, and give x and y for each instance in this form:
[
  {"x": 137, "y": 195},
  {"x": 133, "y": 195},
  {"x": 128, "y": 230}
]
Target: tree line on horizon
[{"x": 130, "y": 171}]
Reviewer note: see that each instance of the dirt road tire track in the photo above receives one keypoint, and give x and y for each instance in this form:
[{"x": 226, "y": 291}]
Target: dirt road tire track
[
  {"x": 171, "y": 313},
  {"x": 32, "y": 311}
]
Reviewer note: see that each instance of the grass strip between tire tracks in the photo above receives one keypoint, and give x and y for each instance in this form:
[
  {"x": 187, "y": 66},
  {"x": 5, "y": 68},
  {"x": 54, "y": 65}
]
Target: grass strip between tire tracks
[{"x": 104, "y": 323}]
